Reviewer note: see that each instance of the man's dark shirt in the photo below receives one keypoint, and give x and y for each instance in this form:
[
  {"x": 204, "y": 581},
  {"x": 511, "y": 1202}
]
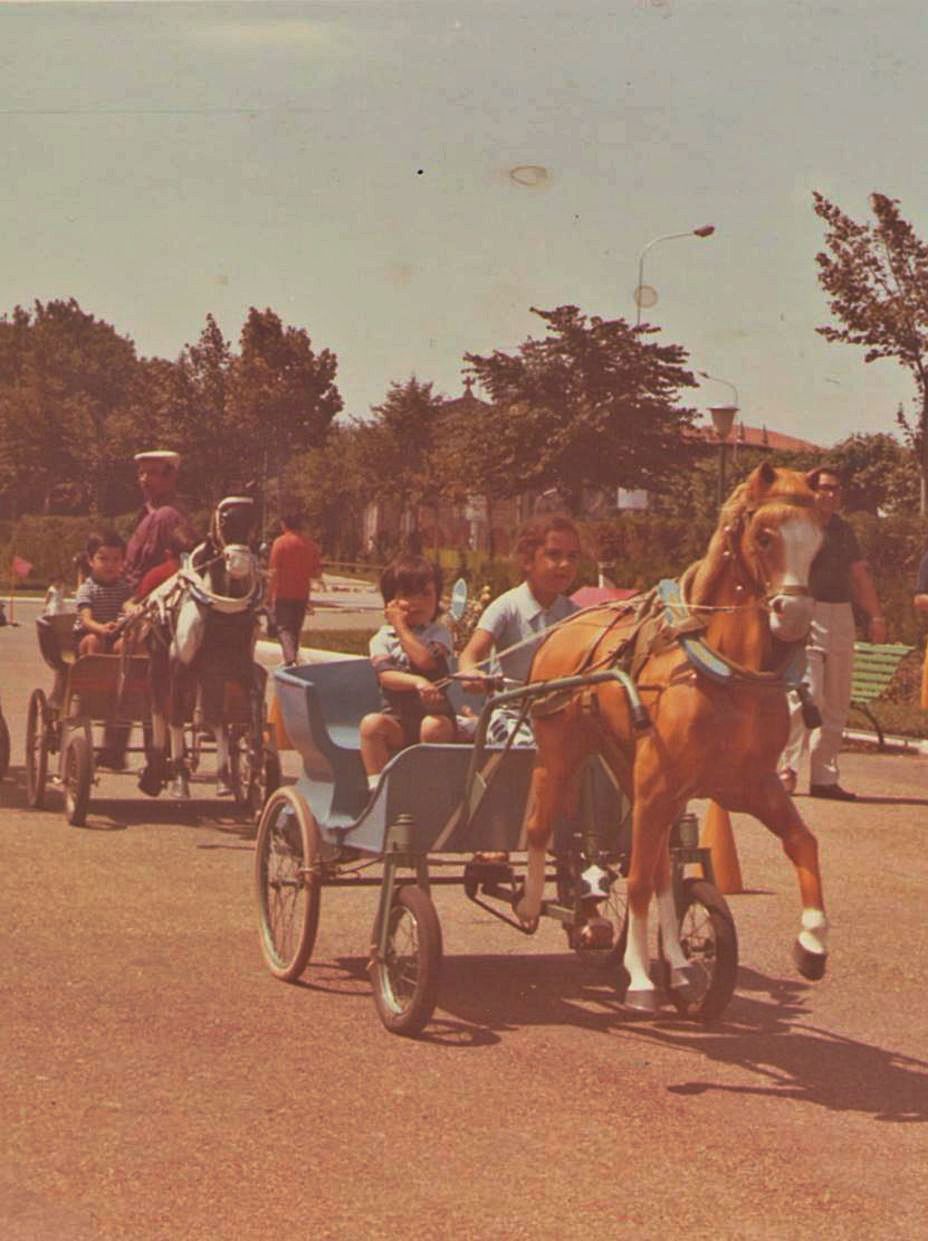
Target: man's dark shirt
[
  {"x": 830, "y": 576},
  {"x": 921, "y": 581},
  {"x": 151, "y": 539}
]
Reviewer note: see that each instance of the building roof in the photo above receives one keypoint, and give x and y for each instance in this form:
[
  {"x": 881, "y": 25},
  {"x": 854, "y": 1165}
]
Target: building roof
[{"x": 759, "y": 437}]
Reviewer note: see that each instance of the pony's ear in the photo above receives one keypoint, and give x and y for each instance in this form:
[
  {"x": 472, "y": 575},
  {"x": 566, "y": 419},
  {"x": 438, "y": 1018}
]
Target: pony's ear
[{"x": 761, "y": 480}]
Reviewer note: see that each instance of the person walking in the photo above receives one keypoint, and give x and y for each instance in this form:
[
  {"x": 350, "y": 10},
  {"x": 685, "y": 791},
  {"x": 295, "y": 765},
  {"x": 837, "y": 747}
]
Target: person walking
[
  {"x": 294, "y": 563},
  {"x": 839, "y": 580},
  {"x": 921, "y": 605}
]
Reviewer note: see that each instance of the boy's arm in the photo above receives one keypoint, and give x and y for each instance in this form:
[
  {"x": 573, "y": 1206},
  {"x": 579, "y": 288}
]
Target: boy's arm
[
  {"x": 478, "y": 649},
  {"x": 92, "y": 626}
]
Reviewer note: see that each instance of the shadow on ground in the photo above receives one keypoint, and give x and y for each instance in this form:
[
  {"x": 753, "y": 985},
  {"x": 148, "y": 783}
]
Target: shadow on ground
[{"x": 765, "y": 1030}]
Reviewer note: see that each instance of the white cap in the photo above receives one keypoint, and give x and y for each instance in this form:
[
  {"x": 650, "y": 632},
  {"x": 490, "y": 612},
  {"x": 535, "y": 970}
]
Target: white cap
[{"x": 160, "y": 454}]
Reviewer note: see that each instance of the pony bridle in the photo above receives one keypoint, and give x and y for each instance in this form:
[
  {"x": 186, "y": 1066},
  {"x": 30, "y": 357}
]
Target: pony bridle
[
  {"x": 734, "y": 553},
  {"x": 238, "y": 557}
]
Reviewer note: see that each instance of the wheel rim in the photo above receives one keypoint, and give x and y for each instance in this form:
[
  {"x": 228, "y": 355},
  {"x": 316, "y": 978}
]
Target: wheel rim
[
  {"x": 72, "y": 780},
  {"x": 36, "y": 728},
  {"x": 284, "y": 887},
  {"x": 697, "y": 938},
  {"x": 400, "y": 974}
]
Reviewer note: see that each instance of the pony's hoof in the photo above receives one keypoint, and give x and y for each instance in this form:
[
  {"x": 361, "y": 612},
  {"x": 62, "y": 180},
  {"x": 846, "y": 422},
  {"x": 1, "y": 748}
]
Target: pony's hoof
[
  {"x": 642, "y": 1001},
  {"x": 811, "y": 965},
  {"x": 180, "y": 787},
  {"x": 150, "y": 782},
  {"x": 528, "y": 922}
]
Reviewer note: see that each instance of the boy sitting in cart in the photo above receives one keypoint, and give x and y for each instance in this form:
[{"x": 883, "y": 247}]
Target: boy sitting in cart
[
  {"x": 102, "y": 596},
  {"x": 409, "y": 654}
]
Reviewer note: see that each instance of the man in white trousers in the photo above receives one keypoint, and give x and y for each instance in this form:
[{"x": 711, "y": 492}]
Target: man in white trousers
[{"x": 839, "y": 580}]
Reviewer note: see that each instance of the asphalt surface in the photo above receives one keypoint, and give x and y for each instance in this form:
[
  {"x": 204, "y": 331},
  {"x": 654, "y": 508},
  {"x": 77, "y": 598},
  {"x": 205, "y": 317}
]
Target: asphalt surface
[{"x": 159, "y": 1083}]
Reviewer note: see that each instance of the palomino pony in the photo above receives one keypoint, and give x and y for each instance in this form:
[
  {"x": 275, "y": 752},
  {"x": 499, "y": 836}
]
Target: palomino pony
[
  {"x": 711, "y": 672},
  {"x": 202, "y": 636}
]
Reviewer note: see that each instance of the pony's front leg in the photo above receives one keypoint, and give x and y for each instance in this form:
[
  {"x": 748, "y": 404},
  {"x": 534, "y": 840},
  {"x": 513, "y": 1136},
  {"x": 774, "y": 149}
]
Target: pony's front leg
[
  {"x": 543, "y": 801},
  {"x": 683, "y": 975},
  {"x": 649, "y": 872},
  {"x": 151, "y": 780},
  {"x": 180, "y": 786},
  {"x": 769, "y": 802},
  {"x": 223, "y": 765}
]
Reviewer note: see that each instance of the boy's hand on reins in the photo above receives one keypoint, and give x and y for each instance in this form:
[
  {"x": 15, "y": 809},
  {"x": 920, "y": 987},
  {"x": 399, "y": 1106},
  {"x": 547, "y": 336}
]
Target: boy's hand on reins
[{"x": 429, "y": 695}]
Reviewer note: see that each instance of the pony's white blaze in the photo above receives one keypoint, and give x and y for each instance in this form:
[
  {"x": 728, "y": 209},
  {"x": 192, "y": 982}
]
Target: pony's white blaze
[
  {"x": 188, "y": 634},
  {"x": 791, "y": 615},
  {"x": 801, "y": 540}
]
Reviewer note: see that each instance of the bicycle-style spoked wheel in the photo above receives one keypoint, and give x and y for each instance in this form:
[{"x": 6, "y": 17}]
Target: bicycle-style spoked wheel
[
  {"x": 36, "y": 749},
  {"x": 405, "y": 981},
  {"x": 288, "y": 883},
  {"x": 710, "y": 943}
]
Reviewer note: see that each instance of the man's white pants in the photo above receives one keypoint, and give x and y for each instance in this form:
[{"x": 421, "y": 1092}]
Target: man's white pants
[{"x": 830, "y": 653}]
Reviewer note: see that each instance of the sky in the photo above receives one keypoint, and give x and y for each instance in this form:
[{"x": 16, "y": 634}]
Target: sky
[{"x": 406, "y": 180}]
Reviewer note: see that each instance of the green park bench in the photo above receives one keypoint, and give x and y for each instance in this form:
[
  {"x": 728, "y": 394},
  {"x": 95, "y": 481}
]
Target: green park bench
[{"x": 875, "y": 666}]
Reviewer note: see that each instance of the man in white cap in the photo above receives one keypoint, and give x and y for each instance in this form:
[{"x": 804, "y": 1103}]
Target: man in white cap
[{"x": 161, "y": 521}]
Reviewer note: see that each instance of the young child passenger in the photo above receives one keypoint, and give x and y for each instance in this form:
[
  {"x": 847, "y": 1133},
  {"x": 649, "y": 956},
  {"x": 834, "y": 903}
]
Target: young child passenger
[
  {"x": 101, "y": 595},
  {"x": 409, "y": 653},
  {"x": 548, "y": 552}
]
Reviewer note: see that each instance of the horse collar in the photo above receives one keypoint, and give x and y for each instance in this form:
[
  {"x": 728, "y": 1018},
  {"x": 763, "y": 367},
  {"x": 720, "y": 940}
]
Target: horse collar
[{"x": 712, "y": 663}]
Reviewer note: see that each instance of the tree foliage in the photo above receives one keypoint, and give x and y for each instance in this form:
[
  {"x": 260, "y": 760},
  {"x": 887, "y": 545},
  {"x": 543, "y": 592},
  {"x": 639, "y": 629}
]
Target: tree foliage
[
  {"x": 876, "y": 279},
  {"x": 595, "y": 402}
]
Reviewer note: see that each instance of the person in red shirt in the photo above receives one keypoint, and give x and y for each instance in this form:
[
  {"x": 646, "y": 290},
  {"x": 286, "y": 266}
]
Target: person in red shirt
[{"x": 295, "y": 561}]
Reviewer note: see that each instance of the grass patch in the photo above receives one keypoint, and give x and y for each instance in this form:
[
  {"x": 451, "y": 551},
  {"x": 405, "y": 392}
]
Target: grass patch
[
  {"x": 348, "y": 641},
  {"x": 897, "y": 719}
]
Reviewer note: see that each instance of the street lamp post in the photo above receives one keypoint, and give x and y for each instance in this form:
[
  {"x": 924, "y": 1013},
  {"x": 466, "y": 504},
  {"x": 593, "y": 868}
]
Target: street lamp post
[
  {"x": 723, "y": 417},
  {"x": 706, "y": 230}
]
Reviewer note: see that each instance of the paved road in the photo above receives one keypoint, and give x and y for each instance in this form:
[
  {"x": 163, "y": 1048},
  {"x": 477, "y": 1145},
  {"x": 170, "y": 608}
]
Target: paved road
[{"x": 158, "y": 1083}]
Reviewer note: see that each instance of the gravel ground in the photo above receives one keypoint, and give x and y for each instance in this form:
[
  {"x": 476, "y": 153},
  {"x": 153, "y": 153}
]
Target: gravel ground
[{"x": 158, "y": 1083}]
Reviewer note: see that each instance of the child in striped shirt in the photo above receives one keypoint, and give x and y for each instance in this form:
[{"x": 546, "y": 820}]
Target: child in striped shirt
[{"x": 101, "y": 597}]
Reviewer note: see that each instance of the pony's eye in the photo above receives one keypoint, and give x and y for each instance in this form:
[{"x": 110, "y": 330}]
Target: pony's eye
[{"x": 763, "y": 539}]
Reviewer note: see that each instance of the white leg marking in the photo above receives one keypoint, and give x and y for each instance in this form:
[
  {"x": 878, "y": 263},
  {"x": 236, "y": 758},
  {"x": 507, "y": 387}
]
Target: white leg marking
[
  {"x": 222, "y": 748},
  {"x": 529, "y": 908},
  {"x": 177, "y": 742},
  {"x": 670, "y": 930},
  {"x": 159, "y": 732},
  {"x": 636, "y": 953},
  {"x": 814, "y": 933}
]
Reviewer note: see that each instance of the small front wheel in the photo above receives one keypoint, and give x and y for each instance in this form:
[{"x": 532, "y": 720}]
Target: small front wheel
[
  {"x": 288, "y": 882},
  {"x": 36, "y": 749},
  {"x": 710, "y": 943},
  {"x": 78, "y": 776},
  {"x": 406, "y": 979}
]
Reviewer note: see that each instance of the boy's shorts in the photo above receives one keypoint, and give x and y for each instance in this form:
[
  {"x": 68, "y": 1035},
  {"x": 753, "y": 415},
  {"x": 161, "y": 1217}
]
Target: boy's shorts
[
  {"x": 109, "y": 640},
  {"x": 410, "y": 720}
]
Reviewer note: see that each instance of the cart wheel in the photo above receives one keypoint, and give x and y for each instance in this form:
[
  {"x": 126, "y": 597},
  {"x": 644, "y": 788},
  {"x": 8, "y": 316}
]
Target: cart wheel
[
  {"x": 36, "y": 749},
  {"x": 709, "y": 939},
  {"x": 406, "y": 980},
  {"x": 289, "y": 884},
  {"x": 78, "y": 774},
  {"x": 4, "y": 747}
]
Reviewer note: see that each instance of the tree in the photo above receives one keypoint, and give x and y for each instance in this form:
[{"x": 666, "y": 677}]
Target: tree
[
  {"x": 283, "y": 394},
  {"x": 593, "y": 403},
  {"x": 64, "y": 377},
  {"x": 876, "y": 278},
  {"x": 399, "y": 450}
]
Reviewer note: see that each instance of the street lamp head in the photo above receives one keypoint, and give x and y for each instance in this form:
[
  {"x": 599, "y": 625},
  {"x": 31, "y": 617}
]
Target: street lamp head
[
  {"x": 723, "y": 417},
  {"x": 706, "y": 231}
]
